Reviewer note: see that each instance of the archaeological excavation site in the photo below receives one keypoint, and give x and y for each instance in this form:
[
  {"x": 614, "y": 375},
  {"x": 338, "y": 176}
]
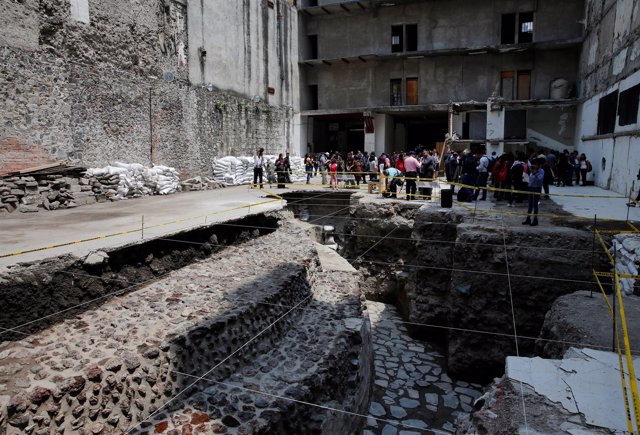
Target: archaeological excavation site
[{"x": 356, "y": 217}]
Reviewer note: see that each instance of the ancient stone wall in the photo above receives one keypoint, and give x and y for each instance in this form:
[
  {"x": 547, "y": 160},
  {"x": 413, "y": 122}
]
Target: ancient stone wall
[
  {"x": 209, "y": 348},
  {"x": 117, "y": 89}
]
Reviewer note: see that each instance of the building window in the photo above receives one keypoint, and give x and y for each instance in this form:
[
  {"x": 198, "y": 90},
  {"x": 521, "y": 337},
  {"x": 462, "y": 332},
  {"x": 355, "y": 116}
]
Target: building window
[
  {"x": 313, "y": 46},
  {"x": 412, "y": 91},
  {"x": 411, "y": 31},
  {"x": 628, "y": 106},
  {"x": 396, "y": 92},
  {"x": 517, "y": 28},
  {"x": 607, "y": 113},
  {"x": 313, "y": 97},
  {"x": 515, "y": 85},
  {"x": 404, "y": 38}
]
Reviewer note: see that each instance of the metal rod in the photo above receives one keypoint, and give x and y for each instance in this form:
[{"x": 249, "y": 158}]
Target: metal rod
[
  {"x": 613, "y": 297},
  {"x": 593, "y": 248},
  {"x": 142, "y": 228}
]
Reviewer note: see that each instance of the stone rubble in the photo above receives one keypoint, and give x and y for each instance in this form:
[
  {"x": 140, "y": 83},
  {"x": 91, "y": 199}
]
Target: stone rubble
[
  {"x": 36, "y": 192},
  {"x": 626, "y": 251},
  {"x": 411, "y": 393}
]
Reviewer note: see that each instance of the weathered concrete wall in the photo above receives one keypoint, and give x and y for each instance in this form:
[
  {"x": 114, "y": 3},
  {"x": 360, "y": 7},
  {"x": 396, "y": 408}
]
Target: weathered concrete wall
[
  {"x": 614, "y": 156},
  {"x": 440, "y": 79},
  {"x": 611, "y": 51},
  {"x": 250, "y": 48},
  {"x": 117, "y": 89},
  {"x": 441, "y": 25}
]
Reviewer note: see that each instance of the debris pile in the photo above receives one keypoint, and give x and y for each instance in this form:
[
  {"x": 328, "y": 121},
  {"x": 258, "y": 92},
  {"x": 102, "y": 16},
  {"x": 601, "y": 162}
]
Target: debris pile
[
  {"x": 239, "y": 170},
  {"x": 58, "y": 186},
  {"x": 30, "y": 192},
  {"x": 626, "y": 251}
]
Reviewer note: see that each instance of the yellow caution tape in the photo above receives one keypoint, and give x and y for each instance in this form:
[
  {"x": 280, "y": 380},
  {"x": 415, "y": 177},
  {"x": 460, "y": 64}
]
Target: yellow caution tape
[{"x": 104, "y": 236}]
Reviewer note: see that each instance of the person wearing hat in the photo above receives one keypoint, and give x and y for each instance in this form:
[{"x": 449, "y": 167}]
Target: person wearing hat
[
  {"x": 535, "y": 188},
  {"x": 411, "y": 165}
]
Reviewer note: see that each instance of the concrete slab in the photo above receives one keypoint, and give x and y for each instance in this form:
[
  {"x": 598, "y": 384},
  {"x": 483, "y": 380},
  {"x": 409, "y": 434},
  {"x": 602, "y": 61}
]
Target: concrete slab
[
  {"x": 586, "y": 381},
  {"x": 163, "y": 216},
  {"x": 592, "y": 200}
]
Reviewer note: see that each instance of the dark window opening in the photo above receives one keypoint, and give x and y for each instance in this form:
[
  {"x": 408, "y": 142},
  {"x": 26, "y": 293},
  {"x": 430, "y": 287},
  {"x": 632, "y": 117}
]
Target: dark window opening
[
  {"x": 524, "y": 85},
  {"x": 607, "y": 113},
  {"x": 397, "y": 43},
  {"x": 412, "y": 91},
  {"x": 412, "y": 37},
  {"x": 628, "y": 106},
  {"x": 515, "y": 124},
  {"x": 313, "y": 46},
  {"x": 396, "y": 92},
  {"x": 506, "y": 84},
  {"x": 313, "y": 97},
  {"x": 525, "y": 28},
  {"x": 508, "y": 29},
  {"x": 312, "y": 3}
]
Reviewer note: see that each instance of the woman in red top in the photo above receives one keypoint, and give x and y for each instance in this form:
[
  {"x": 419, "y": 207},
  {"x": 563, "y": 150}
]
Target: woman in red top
[
  {"x": 333, "y": 169},
  {"x": 400, "y": 163}
]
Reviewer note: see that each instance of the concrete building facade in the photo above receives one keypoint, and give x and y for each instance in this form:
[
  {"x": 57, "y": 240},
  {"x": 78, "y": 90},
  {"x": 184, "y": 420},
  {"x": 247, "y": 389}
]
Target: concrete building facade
[
  {"x": 402, "y": 62},
  {"x": 98, "y": 81},
  {"x": 608, "y": 131}
]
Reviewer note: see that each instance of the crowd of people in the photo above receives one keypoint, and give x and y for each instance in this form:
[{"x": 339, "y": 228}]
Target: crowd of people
[{"x": 516, "y": 177}]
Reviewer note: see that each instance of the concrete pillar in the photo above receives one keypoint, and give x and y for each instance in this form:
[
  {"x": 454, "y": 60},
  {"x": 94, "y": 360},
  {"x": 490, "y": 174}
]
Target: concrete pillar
[
  {"x": 369, "y": 142},
  {"x": 383, "y": 125},
  {"x": 495, "y": 128}
]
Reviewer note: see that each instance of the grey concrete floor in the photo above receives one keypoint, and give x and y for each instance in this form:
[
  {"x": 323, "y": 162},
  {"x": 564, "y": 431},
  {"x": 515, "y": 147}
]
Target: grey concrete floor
[{"x": 166, "y": 215}]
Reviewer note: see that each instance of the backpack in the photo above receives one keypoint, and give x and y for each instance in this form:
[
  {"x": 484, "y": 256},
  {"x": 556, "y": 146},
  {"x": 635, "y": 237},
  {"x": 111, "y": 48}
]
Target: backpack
[
  {"x": 469, "y": 165},
  {"x": 504, "y": 171},
  {"x": 589, "y": 167},
  {"x": 517, "y": 172}
]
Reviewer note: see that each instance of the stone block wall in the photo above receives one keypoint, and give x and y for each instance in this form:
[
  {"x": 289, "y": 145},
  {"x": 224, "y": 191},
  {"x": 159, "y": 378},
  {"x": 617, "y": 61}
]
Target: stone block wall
[{"x": 118, "y": 89}]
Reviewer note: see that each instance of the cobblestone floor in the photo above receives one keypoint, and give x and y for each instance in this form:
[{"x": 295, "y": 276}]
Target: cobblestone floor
[{"x": 412, "y": 393}]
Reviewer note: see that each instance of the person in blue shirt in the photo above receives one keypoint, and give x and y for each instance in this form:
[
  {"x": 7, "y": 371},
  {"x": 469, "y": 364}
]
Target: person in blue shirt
[
  {"x": 393, "y": 182},
  {"x": 536, "y": 178}
]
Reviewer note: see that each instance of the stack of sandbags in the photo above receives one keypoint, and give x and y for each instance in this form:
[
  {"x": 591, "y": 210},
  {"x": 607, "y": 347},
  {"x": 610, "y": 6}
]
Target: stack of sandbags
[
  {"x": 239, "y": 170},
  {"x": 132, "y": 180}
]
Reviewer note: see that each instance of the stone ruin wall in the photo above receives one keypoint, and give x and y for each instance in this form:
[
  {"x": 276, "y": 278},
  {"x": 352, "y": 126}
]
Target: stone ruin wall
[
  {"x": 110, "y": 375},
  {"x": 117, "y": 89}
]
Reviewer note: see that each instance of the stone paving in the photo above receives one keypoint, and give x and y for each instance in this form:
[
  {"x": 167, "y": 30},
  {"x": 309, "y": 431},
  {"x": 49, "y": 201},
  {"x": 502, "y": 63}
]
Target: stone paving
[{"x": 412, "y": 393}]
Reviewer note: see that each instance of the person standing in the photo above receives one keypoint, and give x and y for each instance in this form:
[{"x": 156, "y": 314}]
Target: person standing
[
  {"x": 536, "y": 178},
  {"x": 287, "y": 163},
  {"x": 258, "y": 167},
  {"x": 584, "y": 166},
  {"x": 281, "y": 171},
  {"x": 427, "y": 172},
  {"x": 483, "y": 176},
  {"x": 308, "y": 167},
  {"x": 411, "y": 166},
  {"x": 324, "y": 161}
]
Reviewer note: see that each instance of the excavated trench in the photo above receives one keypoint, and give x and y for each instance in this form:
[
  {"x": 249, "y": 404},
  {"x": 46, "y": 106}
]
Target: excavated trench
[
  {"x": 103, "y": 342},
  {"x": 455, "y": 277}
]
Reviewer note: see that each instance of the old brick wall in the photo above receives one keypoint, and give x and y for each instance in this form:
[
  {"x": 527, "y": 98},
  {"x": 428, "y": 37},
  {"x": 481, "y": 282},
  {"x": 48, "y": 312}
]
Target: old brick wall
[{"x": 117, "y": 89}]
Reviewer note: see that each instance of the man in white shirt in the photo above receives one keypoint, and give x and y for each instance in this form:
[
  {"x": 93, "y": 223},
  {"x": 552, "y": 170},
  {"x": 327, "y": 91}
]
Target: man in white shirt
[
  {"x": 258, "y": 165},
  {"x": 483, "y": 176}
]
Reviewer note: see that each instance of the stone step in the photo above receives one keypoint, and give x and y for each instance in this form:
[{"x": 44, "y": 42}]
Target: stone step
[{"x": 324, "y": 359}]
